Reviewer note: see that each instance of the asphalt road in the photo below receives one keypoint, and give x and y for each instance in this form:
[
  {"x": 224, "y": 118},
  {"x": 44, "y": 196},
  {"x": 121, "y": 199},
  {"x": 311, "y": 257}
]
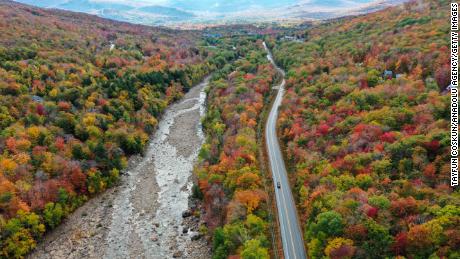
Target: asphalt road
[{"x": 291, "y": 234}]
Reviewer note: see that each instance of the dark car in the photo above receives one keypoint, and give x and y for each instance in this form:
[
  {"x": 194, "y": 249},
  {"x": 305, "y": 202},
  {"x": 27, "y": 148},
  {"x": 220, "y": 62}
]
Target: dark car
[{"x": 278, "y": 184}]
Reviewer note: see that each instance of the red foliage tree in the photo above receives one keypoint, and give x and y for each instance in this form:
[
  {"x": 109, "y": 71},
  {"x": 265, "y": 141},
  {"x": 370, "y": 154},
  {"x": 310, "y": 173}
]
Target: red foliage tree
[
  {"x": 40, "y": 109},
  {"x": 442, "y": 76},
  {"x": 323, "y": 129},
  {"x": 388, "y": 137},
  {"x": 372, "y": 212},
  {"x": 400, "y": 243}
]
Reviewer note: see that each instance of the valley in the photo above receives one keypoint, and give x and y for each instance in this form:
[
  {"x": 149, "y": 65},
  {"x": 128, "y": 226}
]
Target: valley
[
  {"x": 142, "y": 217},
  {"x": 201, "y": 13},
  {"x": 233, "y": 130}
]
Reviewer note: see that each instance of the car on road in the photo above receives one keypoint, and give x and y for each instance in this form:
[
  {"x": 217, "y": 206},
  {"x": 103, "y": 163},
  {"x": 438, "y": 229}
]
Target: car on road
[{"x": 278, "y": 185}]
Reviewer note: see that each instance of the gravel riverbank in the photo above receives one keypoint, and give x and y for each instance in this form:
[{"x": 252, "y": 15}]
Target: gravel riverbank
[{"x": 143, "y": 216}]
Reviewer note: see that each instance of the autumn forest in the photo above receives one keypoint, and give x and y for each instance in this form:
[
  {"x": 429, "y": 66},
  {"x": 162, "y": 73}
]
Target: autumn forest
[{"x": 363, "y": 127}]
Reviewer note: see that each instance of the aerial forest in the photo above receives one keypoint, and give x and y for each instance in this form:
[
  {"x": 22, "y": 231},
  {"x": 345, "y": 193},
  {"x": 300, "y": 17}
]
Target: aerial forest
[{"x": 365, "y": 126}]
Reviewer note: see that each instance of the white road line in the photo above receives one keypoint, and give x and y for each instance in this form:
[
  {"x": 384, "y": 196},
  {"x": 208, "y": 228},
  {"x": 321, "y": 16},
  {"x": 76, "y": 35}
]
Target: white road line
[{"x": 279, "y": 174}]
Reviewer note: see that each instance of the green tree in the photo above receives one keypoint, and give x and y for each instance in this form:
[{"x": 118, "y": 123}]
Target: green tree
[
  {"x": 219, "y": 247},
  {"x": 315, "y": 248},
  {"x": 18, "y": 244},
  {"x": 19, "y": 235},
  {"x": 327, "y": 224},
  {"x": 373, "y": 77},
  {"x": 253, "y": 250},
  {"x": 380, "y": 202},
  {"x": 53, "y": 214},
  {"x": 379, "y": 240},
  {"x": 255, "y": 225}
]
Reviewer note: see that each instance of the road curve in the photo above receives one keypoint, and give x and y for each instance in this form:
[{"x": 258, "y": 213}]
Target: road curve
[{"x": 291, "y": 234}]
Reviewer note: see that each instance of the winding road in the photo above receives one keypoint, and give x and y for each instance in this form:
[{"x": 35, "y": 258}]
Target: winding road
[{"x": 291, "y": 234}]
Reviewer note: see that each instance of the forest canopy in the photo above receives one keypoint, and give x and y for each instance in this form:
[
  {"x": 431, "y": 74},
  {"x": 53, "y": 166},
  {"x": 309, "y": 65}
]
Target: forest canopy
[
  {"x": 78, "y": 96},
  {"x": 365, "y": 124}
]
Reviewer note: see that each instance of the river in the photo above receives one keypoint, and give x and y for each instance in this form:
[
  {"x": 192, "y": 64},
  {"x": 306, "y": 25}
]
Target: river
[{"x": 142, "y": 217}]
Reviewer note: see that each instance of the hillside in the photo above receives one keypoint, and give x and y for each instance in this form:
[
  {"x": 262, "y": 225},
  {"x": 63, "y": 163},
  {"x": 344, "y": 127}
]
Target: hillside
[
  {"x": 231, "y": 181},
  {"x": 365, "y": 123},
  {"x": 79, "y": 95},
  {"x": 364, "y": 129}
]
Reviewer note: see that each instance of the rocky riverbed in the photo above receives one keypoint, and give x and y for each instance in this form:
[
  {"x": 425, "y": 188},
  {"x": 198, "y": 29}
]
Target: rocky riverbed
[{"x": 144, "y": 216}]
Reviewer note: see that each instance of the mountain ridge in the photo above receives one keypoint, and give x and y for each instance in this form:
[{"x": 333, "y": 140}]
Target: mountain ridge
[{"x": 176, "y": 13}]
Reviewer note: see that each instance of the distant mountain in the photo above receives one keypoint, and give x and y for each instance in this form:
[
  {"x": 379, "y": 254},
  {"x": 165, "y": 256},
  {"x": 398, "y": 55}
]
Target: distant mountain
[
  {"x": 89, "y": 6},
  {"x": 314, "y": 9},
  {"x": 167, "y": 11},
  {"x": 43, "y": 3},
  {"x": 230, "y": 6},
  {"x": 180, "y": 12}
]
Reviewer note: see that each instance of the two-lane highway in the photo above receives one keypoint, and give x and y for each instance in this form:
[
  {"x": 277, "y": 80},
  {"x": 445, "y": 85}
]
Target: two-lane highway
[{"x": 291, "y": 234}]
